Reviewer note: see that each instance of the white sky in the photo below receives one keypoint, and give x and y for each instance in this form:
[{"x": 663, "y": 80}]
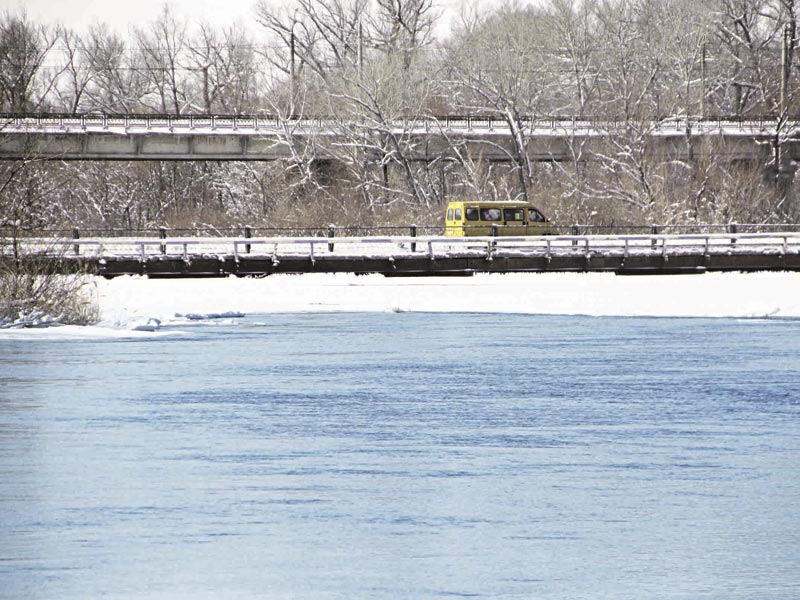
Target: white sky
[{"x": 121, "y": 14}]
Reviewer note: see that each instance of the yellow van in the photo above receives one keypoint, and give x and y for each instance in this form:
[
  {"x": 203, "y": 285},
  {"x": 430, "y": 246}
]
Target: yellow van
[{"x": 511, "y": 218}]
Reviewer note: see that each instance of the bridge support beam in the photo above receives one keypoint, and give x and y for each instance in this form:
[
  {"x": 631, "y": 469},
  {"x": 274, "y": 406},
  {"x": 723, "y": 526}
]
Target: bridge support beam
[{"x": 158, "y": 266}]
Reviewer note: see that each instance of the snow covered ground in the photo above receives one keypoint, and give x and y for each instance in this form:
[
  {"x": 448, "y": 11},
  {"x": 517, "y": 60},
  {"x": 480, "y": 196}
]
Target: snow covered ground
[
  {"x": 599, "y": 294},
  {"x": 140, "y": 306}
]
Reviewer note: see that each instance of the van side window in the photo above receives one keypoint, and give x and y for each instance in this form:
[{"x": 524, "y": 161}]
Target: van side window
[
  {"x": 534, "y": 216},
  {"x": 513, "y": 214},
  {"x": 449, "y": 214},
  {"x": 490, "y": 214},
  {"x": 472, "y": 213},
  {"x": 458, "y": 214}
]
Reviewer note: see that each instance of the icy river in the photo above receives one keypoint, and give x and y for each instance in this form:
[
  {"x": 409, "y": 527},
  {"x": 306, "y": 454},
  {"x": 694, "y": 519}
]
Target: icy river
[{"x": 398, "y": 455}]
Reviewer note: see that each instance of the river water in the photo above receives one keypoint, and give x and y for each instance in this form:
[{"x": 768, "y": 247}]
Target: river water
[{"x": 403, "y": 455}]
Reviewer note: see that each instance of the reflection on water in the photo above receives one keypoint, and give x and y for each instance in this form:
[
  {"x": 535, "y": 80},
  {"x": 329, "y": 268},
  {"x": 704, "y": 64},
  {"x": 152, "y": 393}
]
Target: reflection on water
[{"x": 404, "y": 456}]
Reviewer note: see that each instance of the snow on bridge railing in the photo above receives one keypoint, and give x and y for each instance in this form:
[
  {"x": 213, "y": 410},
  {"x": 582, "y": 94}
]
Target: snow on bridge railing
[
  {"x": 433, "y": 247},
  {"x": 147, "y": 122},
  {"x": 45, "y": 122}
]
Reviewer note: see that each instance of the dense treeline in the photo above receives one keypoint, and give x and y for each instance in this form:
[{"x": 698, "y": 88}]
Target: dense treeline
[{"x": 363, "y": 63}]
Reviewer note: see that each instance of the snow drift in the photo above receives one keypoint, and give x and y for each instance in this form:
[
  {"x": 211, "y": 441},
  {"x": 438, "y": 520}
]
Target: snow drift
[{"x": 596, "y": 294}]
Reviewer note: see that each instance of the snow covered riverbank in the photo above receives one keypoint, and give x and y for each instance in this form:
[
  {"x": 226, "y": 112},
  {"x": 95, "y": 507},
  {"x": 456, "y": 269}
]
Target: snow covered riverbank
[{"x": 751, "y": 295}]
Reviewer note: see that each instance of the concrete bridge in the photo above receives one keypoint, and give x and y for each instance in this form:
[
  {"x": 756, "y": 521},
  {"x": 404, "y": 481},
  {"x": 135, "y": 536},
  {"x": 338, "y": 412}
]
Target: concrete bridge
[
  {"x": 265, "y": 138},
  {"x": 411, "y": 256}
]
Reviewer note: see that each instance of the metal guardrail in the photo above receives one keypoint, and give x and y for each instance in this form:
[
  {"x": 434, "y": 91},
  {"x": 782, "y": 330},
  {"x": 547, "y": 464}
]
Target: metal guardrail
[
  {"x": 431, "y": 246},
  {"x": 253, "y": 124},
  {"x": 408, "y": 255}
]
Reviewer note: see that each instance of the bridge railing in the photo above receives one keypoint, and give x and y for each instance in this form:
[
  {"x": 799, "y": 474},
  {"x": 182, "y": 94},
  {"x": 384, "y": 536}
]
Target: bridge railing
[
  {"x": 432, "y": 247},
  {"x": 45, "y": 122},
  {"x": 337, "y": 231}
]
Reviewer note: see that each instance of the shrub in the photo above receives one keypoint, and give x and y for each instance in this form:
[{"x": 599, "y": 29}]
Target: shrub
[{"x": 34, "y": 294}]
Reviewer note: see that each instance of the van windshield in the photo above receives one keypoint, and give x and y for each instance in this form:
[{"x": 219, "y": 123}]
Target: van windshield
[{"x": 534, "y": 216}]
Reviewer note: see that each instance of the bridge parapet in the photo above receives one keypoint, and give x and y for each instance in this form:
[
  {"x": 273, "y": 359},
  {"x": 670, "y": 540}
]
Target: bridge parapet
[
  {"x": 408, "y": 255},
  {"x": 43, "y": 122},
  {"x": 269, "y": 137}
]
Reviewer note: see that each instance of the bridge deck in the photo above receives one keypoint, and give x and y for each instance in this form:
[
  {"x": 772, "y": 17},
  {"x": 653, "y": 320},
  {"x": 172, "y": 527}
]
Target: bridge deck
[
  {"x": 418, "y": 256},
  {"x": 211, "y": 137}
]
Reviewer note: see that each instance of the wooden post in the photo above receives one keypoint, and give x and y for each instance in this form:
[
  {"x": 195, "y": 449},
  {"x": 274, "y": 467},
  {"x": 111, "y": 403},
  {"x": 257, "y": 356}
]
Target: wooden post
[
  {"x": 331, "y": 235},
  {"x": 413, "y": 234},
  {"x": 76, "y": 235},
  {"x": 248, "y": 233},
  {"x": 162, "y": 234}
]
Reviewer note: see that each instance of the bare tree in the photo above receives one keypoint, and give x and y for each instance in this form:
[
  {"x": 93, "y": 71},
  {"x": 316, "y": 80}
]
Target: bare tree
[
  {"x": 576, "y": 52},
  {"x": 403, "y": 26},
  {"x": 117, "y": 85},
  {"x": 750, "y": 36},
  {"x": 316, "y": 35},
  {"x": 162, "y": 48},
  {"x": 23, "y": 49},
  {"x": 76, "y": 73},
  {"x": 224, "y": 70},
  {"x": 373, "y": 108},
  {"x": 32, "y": 290},
  {"x": 502, "y": 69},
  {"x": 373, "y": 70}
]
